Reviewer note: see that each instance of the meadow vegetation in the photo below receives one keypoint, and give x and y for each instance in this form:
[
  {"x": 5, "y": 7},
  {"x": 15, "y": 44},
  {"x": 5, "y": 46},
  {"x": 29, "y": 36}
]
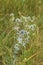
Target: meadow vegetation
[{"x": 21, "y": 32}]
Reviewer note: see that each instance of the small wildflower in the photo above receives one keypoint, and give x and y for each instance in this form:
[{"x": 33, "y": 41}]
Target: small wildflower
[
  {"x": 18, "y": 20},
  {"x": 19, "y": 39},
  {"x": 16, "y": 47},
  {"x": 22, "y": 31},
  {"x": 12, "y": 17},
  {"x": 32, "y": 27},
  {"x": 12, "y": 14}
]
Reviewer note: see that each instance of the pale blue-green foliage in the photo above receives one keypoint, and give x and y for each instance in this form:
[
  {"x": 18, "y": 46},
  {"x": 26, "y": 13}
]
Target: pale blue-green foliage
[{"x": 25, "y": 31}]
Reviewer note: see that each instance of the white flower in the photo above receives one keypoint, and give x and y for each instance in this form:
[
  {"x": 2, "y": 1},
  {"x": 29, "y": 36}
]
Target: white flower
[
  {"x": 32, "y": 27},
  {"x": 18, "y": 20},
  {"x": 12, "y": 17},
  {"x": 23, "y": 32},
  {"x": 16, "y": 47},
  {"x": 11, "y": 14},
  {"x": 19, "y": 39}
]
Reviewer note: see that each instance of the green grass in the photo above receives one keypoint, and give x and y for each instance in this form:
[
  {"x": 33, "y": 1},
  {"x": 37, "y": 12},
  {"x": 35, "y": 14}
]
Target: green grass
[{"x": 33, "y": 53}]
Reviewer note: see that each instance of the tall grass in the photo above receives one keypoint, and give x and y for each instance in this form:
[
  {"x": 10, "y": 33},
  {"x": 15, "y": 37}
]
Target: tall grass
[{"x": 33, "y": 53}]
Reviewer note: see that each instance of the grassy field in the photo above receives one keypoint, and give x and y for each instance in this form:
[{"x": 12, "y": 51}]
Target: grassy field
[{"x": 21, "y": 32}]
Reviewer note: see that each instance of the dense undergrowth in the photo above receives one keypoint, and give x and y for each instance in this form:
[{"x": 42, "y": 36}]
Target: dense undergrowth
[{"x": 21, "y": 32}]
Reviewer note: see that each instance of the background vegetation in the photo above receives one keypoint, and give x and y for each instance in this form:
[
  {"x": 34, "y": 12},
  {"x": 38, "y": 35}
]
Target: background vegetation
[{"x": 34, "y": 54}]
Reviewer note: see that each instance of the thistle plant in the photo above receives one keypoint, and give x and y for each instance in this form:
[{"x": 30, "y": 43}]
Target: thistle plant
[
  {"x": 19, "y": 40},
  {"x": 21, "y": 32},
  {"x": 25, "y": 35}
]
